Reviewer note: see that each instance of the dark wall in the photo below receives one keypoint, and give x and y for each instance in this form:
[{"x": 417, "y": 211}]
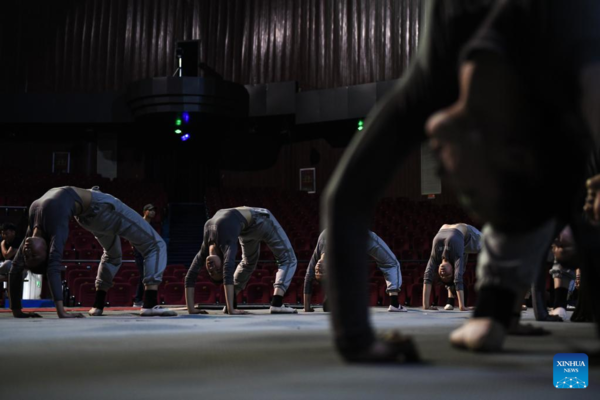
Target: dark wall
[
  {"x": 90, "y": 46},
  {"x": 319, "y": 154},
  {"x": 29, "y": 149},
  {"x": 103, "y": 45},
  {"x": 185, "y": 170}
]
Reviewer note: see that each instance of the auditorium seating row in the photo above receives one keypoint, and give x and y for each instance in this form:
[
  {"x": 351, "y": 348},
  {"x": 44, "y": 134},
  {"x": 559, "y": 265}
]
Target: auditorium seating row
[
  {"x": 20, "y": 190},
  {"x": 408, "y": 227},
  {"x": 80, "y": 277}
]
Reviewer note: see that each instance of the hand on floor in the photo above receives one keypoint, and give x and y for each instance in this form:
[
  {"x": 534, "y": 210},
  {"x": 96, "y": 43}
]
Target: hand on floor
[{"x": 21, "y": 314}]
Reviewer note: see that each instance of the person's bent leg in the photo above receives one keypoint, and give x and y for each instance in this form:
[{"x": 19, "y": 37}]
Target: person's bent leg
[
  {"x": 450, "y": 301},
  {"x": 507, "y": 265},
  {"x": 389, "y": 265},
  {"x": 139, "y": 293},
  {"x": 393, "y": 278},
  {"x": 250, "y": 254},
  {"x": 279, "y": 243},
  {"x": 392, "y": 131},
  {"x": 108, "y": 268},
  {"x": 155, "y": 262},
  {"x": 516, "y": 328},
  {"x": 562, "y": 280},
  {"x": 154, "y": 252}
]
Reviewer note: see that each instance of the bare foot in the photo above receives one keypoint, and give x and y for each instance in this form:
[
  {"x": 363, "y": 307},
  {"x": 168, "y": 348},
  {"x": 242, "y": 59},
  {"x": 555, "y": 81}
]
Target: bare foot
[
  {"x": 479, "y": 334},
  {"x": 527, "y": 330},
  {"x": 558, "y": 312},
  {"x": 95, "y": 312},
  {"x": 391, "y": 347}
]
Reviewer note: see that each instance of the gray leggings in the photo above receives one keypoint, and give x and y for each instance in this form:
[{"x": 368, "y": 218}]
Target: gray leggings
[
  {"x": 109, "y": 219},
  {"x": 265, "y": 228},
  {"x": 386, "y": 262},
  {"x": 513, "y": 261}
]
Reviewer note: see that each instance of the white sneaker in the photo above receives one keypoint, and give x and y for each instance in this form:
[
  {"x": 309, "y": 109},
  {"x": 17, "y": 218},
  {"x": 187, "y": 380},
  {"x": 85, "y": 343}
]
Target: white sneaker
[
  {"x": 449, "y": 307},
  {"x": 283, "y": 310},
  {"x": 157, "y": 311},
  {"x": 561, "y": 312},
  {"x": 391, "y": 308},
  {"x": 139, "y": 304},
  {"x": 95, "y": 312}
]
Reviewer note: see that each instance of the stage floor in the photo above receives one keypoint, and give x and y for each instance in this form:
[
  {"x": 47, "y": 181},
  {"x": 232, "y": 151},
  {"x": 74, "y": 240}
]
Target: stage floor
[{"x": 263, "y": 356}]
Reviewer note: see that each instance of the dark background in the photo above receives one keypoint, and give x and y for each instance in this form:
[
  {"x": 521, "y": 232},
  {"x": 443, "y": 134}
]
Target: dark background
[{"x": 59, "y": 52}]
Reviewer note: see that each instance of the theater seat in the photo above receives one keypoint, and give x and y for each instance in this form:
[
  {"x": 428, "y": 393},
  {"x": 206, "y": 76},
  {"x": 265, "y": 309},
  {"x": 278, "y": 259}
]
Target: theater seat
[
  {"x": 86, "y": 294},
  {"x": 257, "y": 293},
  {"x": 205, "y": 293},
  {"x": 119, "y": 295},
  {"x": 173, "y": 293}
]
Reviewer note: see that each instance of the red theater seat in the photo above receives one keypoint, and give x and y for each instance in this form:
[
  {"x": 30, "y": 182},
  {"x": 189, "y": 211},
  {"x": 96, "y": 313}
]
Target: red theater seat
[
  {"x": 376, "y": 273},
  {"x": 266, "y": 254},
  {"x": 268, "y": 280},
  {"x": 173, "y": 293},
  {"x": 300, "y": 272},
  {"x": 291, "y": 294},
  {"x": 257, "y": 293},
  {"x": 205, "y": 293},
  {"x": 72, "y": 274},
  {"x": 90, "y": 254},
  {"x": 318, "y": 293},
  {"x": 84, "y": 242},
  {"x": 119, "y": 295},
  {"x": 471, "y": 296},
  {"x": 416, "y": 295},
  {"x": 373, "y": 294},
  {"x": 176, "y": 267},
  {"x": 169, "y": 279},
  {"x": 134, "y": 281},
  {"x": 441, "y": 294},
  {"x": 128, "y": 273},
  {"x": 70, "y": 255},
  {"x": 179, "y": 275},
  {"x": 241, "y": 297},
  {"x": 86, "y": 294},
  {"x": 128, "y": 253},
  {"x": 260, "y": 273}
]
